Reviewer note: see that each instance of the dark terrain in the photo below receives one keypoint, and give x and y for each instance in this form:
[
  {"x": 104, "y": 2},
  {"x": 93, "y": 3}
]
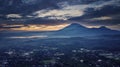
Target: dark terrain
[{"x": 54, "y": 49}]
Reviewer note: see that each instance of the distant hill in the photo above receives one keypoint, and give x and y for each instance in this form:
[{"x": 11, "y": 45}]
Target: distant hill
[{"x": 78, "y": 30}]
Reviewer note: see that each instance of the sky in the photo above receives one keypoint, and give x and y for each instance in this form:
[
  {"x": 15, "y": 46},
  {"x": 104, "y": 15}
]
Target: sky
[{"x": 44, "y": 15}]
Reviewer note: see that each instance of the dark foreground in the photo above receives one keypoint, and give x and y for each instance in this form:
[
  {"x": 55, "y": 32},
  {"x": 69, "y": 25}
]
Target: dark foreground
[{"x": 59, "y": 52}]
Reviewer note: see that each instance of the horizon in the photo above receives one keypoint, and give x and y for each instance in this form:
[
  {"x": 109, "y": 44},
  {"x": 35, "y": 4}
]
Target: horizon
[{"x": 40, "y": 27}]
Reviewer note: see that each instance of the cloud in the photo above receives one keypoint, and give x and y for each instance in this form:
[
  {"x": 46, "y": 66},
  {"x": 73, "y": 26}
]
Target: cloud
[
  {"x": 13, "y": 16},
  {"x": 28, "y": 37},
  {"x": 61, "y": 14},
  {"x": 30, "y": 1},
  {"x": 69, "y": 10},
  {"x": 101, "y": 18},
  {"x": 89, "y": 12},
  {"x": 100, "y": 4},
  {"x": 44, "y": 21},
  {"x": 25, "y": 7},
  {"x": 115, "y": 27},
  {"x": 34, "y": 27},
  {"x": 101, "y": 13}
]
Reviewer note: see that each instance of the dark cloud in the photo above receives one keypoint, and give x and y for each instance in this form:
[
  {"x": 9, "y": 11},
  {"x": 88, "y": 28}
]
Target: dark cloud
[
  {"x": 106, "y": 11},
  {"x": 19, "y": 7},
  {"x": 26, "y": 7},
  {"x": 27, "y": 21},
  {"x": 103, "y": 22},
  {"x": 90, "y": 11},
  {"x": 44, "y": 21}
]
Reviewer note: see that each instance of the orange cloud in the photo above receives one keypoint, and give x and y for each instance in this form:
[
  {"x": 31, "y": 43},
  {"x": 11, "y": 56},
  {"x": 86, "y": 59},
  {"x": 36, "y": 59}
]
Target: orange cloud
[{"x": 40, "y": 27}]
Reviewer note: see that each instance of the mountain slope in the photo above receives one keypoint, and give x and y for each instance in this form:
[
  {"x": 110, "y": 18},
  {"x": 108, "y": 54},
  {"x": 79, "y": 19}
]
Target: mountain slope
[{"x": 79, "y": 30}]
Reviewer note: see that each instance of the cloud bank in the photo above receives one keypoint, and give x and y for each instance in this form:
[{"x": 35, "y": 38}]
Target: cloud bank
[{"x": 88, "y": 12}]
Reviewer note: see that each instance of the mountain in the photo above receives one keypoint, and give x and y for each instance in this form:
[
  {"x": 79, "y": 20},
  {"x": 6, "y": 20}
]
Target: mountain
[
  {"x": 74, "y": 26},
  {"x": 78, "y": 30}
]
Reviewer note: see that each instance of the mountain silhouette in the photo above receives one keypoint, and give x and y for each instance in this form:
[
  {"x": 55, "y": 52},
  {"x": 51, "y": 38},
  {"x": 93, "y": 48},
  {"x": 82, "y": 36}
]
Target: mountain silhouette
[
  {"x": 75, "y": 29},
  {"x": 74, "y": 26}
]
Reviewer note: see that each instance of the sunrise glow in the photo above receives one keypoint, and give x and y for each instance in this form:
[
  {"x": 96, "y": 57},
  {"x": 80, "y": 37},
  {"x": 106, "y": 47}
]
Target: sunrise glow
[{"x": 41, "y": 27}]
